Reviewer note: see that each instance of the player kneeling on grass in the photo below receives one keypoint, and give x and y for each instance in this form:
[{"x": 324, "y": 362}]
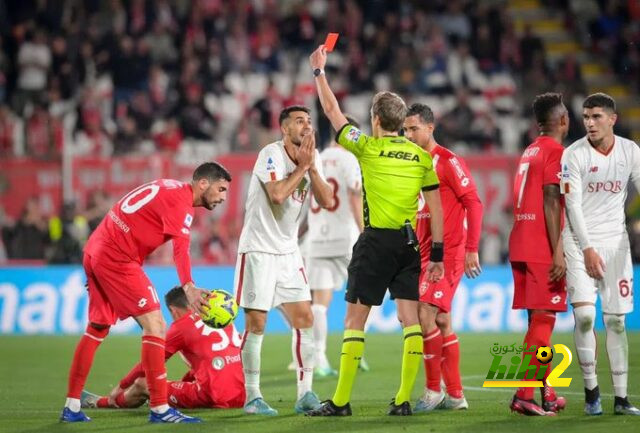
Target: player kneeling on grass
[{"x": 214, "y": 380}]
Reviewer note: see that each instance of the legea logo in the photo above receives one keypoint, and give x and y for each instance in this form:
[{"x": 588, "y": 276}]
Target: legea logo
[{"x": 515, "y": 369}]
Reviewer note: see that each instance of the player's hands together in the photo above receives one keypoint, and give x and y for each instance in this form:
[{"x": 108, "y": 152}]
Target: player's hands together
[
  {"x": 197, "y": 298},
  {"x": 472, "y": 267},
  {"x": 594, "y": 263},
  {"x": 318, "y": 58},
  {"x": 435, "y": 271},
  {"x": 559, "y": 265},
  {"x": 307, "y": 151}
]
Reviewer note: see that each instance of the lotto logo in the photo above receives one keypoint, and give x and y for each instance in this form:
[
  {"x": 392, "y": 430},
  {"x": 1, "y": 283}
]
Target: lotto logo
[
  {"x": 438, "y": 294},
  {"x": 556, "y": 299},
  {"x": 142, "y": 302}
]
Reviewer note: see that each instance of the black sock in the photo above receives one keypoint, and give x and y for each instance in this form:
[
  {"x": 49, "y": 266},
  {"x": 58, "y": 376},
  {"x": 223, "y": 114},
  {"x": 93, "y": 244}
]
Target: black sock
[
  {"x": 621, "y": 401},
  {"x": 591, "y": 395}
]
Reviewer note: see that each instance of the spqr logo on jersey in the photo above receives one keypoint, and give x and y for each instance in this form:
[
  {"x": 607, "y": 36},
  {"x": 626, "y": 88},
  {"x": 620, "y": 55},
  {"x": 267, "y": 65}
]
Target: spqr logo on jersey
[{"x": 509, "y": 369}]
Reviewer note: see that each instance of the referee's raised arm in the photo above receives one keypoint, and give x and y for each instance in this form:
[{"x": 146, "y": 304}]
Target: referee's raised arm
[{"x": 318, "y": 60}]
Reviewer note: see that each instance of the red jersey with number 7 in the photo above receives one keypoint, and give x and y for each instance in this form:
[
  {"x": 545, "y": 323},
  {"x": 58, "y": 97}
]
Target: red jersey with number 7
[
  {"x": 539, "y": 165},
  {"x": 143, "y": 220}
]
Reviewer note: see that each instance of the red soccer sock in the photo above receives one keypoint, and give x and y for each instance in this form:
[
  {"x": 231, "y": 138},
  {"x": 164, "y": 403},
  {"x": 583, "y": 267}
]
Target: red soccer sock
[
  {"x": 451, "y": 365},
  {"x": 539, "y": 334},
  {"x": 103, "y": 402},
  {"x": 83, "y": 358},
  {"x": 154, "y": 369},
  {"x": 432, "y": 348}
]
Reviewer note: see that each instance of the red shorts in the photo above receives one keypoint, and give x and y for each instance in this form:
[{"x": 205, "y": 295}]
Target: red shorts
[
  {"x": 117, "y": 290},
  {"x": 440, "y": 294},
  {"x": 532, "y": 289},
  {"x": 191, "y": 395}
]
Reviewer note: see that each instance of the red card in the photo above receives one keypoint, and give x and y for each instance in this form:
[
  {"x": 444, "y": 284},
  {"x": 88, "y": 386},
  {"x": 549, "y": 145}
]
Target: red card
[{"x": 330, "y": 43}]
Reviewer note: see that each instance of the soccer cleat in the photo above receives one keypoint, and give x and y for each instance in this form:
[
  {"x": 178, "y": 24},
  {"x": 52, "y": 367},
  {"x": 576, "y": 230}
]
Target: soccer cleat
[
  {"x": 402, "y": 409},
  {"x": 593, "y": 408},
  {"x": 322, "y": 372},
  {"x": 551, "y": 402},
  {"x": 363, "y": 365},
  {"x": 327, "y": 408},
  {"x": 258, "y": 406},
  {"x": 528, "y": 407},
  {"x": 623, "y": 407},
  {"x": 309, "y": 401},
  {"x": 429, "y": 401},
  {"x": 70, "y": 416},
  {"x": 88, "y": 400},
  {"x": 451, "y": 403},
  {"x": 171, "y": 416}
]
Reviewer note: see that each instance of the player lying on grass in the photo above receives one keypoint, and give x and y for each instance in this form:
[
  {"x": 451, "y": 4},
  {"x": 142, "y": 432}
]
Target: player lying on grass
[{"x": 214, "y": 380}]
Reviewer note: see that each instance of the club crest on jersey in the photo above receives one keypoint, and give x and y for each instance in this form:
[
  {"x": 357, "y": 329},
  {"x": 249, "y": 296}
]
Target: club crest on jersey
[
  {"x": 188, "y": 219},
  {"x": 353, "y": 134}
]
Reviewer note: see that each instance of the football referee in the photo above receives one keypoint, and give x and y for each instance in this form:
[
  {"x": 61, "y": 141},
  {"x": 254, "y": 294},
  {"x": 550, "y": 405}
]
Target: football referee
[{"x": 394, "y": 171}]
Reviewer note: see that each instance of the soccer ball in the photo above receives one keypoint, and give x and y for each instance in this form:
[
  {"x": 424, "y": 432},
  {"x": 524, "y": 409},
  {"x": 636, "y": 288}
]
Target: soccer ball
[
  {"x": 544, "y": 354},
  {"x": 222, "y": 310}
]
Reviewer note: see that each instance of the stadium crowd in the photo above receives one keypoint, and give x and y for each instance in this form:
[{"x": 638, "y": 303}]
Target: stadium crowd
[{"x": 200, "y": 78}]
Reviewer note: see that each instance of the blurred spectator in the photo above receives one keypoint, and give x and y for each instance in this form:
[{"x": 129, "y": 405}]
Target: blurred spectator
[
  {"x": 91, "y": 139},
  {"x": 67, "y": 233},
  {"x": 531, "y": 47},
  {"x": 127, "y": 137},
  {"x": 44, "y": 134},
  {"x": 29, "y": 237},
  {"x": 169, "y": 138},
  {"x": 8, "y": 130},
  {"x": 4, "y": 71},
  {"x": 34, "y": 61},
  {"x": 194, "y": 119},
  {"x": 98, "y": 204}
]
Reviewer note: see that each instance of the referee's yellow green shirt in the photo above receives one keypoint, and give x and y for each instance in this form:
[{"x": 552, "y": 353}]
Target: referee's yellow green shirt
[{"x": 394, "y": 170}]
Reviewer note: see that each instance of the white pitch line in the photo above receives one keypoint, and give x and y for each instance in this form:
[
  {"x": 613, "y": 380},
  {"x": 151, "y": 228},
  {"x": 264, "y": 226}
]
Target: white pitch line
[{"x": 512, "y": 390}]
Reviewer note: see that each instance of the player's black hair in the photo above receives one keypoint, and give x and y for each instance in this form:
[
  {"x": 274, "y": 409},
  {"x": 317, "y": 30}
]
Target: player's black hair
[
  {"x": 284, "y": 114},
  {"x": 212, "y": 171},
  {"x": 352, "y": 120},
  {"x": 422, "y": 110},
  {"x": 601, "y": 100},
  {"x": 544, "y": 105},
  {"x": 176, "y": 297}
]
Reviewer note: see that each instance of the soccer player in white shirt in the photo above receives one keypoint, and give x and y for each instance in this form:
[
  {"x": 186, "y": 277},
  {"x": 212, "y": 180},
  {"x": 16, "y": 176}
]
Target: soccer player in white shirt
[
  {"x": 332, "y": 233},
  {"x": 595, "y": 172},
  {"x": 269, "y": 269}
]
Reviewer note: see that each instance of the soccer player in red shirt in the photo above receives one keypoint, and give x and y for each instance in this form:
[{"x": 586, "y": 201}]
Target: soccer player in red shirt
[
  {"x": 214, "y": 379},
  {"x": 118, "y": 288},
  {"x": 535, "y": 245},
  {"x": 462, "y": 215}
]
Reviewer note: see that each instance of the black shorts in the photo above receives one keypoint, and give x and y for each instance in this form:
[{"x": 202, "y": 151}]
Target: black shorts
[{"x": 382, "y": 259}]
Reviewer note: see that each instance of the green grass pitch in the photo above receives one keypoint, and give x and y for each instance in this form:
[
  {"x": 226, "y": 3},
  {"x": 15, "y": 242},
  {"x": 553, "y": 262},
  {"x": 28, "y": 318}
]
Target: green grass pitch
[{"x": 33, "y": 375}]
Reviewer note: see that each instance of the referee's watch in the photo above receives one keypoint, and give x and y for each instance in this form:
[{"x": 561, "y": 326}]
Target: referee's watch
[{"x": 317, "y": 72}]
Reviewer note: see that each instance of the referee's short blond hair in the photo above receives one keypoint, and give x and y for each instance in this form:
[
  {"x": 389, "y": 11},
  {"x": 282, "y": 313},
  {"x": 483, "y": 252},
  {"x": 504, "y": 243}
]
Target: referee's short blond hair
[{"x": 390, "y": 109}]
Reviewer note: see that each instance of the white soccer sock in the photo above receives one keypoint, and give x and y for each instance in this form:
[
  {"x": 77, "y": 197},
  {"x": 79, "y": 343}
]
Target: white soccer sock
[
  {"x": 73, "y": 404},
  {"x": 250, "y": 352},
  {"x": 320, "y": 334},
  {"x": 303, "y": 352},
  {"x": 585, "y": 340},
  {"x": 618, "y": 351}
]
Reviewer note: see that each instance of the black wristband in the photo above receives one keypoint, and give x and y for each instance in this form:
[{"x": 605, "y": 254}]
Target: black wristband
[{"x": 437, "y": 252}]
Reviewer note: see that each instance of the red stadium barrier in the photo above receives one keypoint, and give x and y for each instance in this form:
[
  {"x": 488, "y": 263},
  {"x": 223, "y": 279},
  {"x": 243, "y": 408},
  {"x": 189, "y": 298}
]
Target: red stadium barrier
[{"x": 24, "y": 178}]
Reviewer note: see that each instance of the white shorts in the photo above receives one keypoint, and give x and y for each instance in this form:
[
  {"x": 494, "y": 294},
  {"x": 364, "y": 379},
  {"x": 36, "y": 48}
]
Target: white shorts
[
  {"x": 327, "y": 273},
  {"x": 263, "y": 281},
  {"x": 615, "y": 289}
]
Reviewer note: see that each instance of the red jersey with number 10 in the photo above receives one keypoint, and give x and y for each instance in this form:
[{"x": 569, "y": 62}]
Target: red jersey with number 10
[
  {"x": 143, "y": 220},
  {"x": 539, "y": 165}
]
